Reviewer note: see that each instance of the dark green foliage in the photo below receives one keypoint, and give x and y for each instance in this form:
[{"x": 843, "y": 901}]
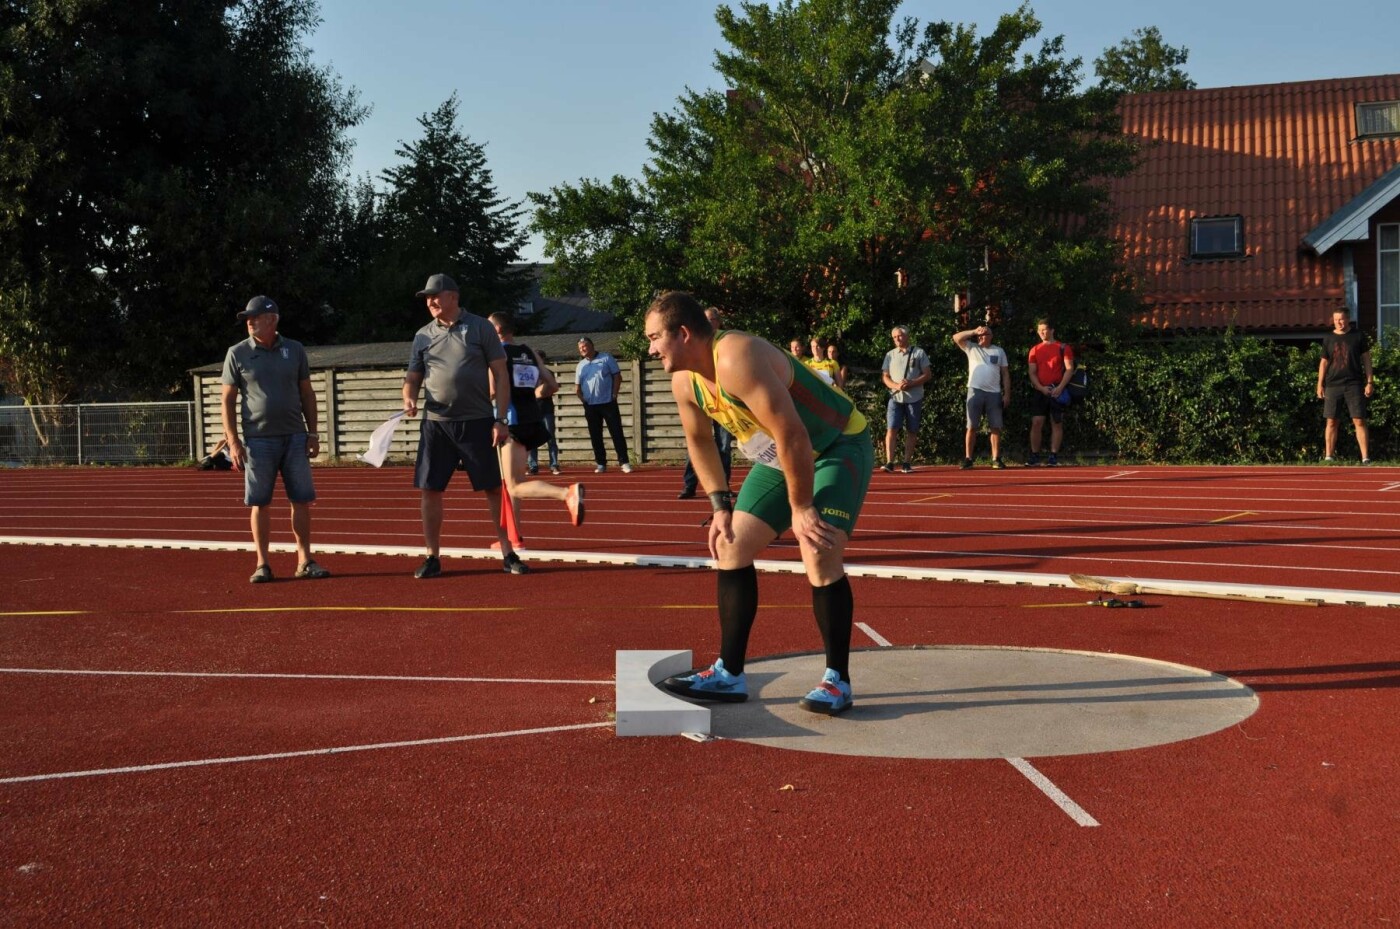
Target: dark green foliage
[
  {"x": 1143, "y": 63},
  {"x": 159, "y": 164},
  {"x": 859, "y": 172},
  {"x": 439, "y": 213},
  {"x": 1225, "y": 399}
]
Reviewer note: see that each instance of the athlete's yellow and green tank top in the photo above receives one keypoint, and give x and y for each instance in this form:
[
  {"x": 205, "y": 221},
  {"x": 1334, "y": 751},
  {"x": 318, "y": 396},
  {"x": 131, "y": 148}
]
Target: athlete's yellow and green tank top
[
  {"x": 824, "y": 366},
  {"x": 825, "y": 410}
]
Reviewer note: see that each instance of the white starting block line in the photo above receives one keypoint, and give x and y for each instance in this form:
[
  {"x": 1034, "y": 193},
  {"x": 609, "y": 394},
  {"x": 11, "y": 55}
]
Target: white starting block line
[
  {"x": 1309, "y": 595},
  {"x": 645, "y": 709}
]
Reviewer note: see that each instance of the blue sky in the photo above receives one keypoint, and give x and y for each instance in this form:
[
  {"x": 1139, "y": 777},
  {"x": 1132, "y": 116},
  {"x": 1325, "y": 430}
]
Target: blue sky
[{"x": 559, "y": 90}]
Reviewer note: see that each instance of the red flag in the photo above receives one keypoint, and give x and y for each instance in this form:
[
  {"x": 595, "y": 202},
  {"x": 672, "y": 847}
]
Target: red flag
[{"x": 508, "y": 520}]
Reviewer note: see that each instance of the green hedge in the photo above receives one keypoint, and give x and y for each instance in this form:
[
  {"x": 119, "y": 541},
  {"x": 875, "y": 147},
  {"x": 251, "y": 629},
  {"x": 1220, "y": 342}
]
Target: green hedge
[{"x": 1225, "y": 399}]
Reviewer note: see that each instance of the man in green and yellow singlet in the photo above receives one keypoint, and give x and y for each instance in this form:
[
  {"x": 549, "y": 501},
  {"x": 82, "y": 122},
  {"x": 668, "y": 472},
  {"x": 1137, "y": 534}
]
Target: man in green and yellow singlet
[{"x": 812, "y": 459}]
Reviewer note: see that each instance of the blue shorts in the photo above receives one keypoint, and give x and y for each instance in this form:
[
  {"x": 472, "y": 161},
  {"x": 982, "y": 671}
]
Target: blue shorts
[
  {"x": 445, "y": 444},
  {"x": 903, "y": 415},
  {"x": 265, "y": 458}
]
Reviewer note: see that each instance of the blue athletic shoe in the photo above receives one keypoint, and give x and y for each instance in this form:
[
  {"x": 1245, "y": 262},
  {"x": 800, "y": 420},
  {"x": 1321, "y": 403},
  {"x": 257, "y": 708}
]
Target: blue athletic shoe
[
  {"x": 832, "y": 696},
  {"x": 713, "y": 683}
]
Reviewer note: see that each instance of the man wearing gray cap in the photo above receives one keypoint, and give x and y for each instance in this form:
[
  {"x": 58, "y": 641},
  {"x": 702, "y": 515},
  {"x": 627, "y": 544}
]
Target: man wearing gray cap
[
  {"x": 273, "y": 378},
  {"x": 456, "y": 360}
]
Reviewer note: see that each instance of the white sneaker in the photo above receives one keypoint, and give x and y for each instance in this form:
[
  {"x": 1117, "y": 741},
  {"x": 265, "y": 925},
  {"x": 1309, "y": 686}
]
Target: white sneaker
[
  {"x": 600, "y": 469},
  {"x": 626, "y": 468}
]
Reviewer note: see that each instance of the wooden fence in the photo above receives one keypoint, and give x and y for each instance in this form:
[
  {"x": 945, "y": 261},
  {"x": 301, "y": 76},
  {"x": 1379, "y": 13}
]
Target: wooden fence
[{"x": 353, "y": 402}]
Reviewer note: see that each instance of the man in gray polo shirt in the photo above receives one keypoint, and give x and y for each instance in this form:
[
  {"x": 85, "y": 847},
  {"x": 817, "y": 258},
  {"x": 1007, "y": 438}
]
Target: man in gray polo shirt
[
  {"x": 456, "y": 359},
  {"x": 905, "y": 371},
  {"x": 272, "y": 376}
]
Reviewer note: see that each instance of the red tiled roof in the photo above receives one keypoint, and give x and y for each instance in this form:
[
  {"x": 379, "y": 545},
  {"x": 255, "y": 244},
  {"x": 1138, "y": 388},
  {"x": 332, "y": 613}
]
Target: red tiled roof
[{"x": 1283, "y": 156}]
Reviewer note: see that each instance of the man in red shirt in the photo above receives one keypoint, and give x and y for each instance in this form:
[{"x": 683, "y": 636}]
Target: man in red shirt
[{"x": 1051, "y": 364}]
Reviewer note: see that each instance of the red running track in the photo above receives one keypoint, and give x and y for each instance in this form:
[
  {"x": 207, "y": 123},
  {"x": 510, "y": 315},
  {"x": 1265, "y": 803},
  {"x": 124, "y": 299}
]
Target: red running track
[
  {"x": 1336, "y": 528},
  {"x": 475, "y": 803}
]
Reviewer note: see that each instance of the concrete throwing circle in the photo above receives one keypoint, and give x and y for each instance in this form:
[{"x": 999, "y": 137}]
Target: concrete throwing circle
[{"x": 985, "y": 702}]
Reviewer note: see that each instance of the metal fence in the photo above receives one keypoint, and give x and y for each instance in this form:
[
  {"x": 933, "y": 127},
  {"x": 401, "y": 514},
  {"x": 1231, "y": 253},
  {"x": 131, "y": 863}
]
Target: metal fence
[{"x": 97, "y": 433}]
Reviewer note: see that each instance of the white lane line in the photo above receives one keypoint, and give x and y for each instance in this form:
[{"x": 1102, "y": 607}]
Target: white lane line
[
  {"x": 879, "y": 639},
  {"x": 1119, "y": 474},
  {"x": 300, "y": 677},
  {"x": 854, "y": 569},
  {"x": 138, "y": 769},
  {"x": 1390, "y": 486},
  {"x": 1047, "y": 787}
]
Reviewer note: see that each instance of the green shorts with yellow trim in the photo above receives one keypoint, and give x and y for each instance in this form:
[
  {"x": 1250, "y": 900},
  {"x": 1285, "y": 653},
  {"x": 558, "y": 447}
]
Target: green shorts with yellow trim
[{"x": 840, "y": 479}]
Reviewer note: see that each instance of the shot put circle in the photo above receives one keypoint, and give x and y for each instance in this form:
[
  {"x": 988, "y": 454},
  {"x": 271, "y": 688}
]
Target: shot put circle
[{"x": 968, "y": 701}]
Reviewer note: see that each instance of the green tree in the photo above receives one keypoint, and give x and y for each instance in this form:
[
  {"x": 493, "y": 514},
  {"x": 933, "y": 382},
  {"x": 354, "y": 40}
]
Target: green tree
[
  {"x": 1143, "y": 63},
  {"x": 439, "y": 213},
  {"x": 858, "y": 173},
  {"x": 159, "y": 164}
]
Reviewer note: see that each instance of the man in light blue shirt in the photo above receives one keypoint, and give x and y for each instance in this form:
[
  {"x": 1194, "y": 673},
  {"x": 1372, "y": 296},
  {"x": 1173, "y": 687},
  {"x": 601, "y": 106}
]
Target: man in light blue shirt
[{"x": 597, "y": 381}]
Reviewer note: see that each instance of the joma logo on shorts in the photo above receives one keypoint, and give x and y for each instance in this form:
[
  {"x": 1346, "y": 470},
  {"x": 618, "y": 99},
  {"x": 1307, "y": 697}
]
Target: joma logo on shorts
[{"x": 828, "y": 511}]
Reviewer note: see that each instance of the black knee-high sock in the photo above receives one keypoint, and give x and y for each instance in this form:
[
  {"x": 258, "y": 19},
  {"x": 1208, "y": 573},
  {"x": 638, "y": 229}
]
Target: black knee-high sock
[
  {"x": 835, "y": 609},
  {"x": 738, "y": 605}
]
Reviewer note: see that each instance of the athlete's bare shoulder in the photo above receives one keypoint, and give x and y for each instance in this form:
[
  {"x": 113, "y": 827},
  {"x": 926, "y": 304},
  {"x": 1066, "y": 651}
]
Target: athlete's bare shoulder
[{"x": 741, "y": 358}]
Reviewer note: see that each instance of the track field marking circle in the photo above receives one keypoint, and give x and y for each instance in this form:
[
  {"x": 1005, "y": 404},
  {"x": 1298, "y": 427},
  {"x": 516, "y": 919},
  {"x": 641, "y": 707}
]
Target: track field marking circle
[{"x": 986, "y": 702}]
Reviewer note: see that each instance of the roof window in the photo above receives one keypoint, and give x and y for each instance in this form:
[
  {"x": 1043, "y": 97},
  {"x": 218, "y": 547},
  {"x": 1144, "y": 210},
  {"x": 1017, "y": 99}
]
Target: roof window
[
  {"x": 1377, "y": 119},
  {"x": 1217, "y": 237}
]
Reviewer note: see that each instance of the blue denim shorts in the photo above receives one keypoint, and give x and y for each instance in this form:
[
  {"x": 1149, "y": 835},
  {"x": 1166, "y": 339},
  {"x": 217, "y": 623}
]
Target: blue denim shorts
[
  {"x": 271, "y": 455},
  {"x": 903, "y": 415}
]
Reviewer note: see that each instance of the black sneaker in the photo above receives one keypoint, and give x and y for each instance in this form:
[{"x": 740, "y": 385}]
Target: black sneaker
[
  {"x": 1052, "y": 461},
  {"x": 997, "y": 465},
  {"x": 1032, "y": 461},
  {"x": 967, "y": 464},
  {"x": 430, "y": 567},
  {"x": 513, "y": 565},
  {"x": 905, "y": 468},
  {"x": 887, "y": 467}
]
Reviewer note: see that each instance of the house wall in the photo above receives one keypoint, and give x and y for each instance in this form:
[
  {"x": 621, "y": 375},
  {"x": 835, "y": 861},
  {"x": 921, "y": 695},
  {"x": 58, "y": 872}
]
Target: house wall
[
  {"x": 1282, "y": 156},
  {"x": 1364, "y": 256},
  {"x": 352, "y": 403}
]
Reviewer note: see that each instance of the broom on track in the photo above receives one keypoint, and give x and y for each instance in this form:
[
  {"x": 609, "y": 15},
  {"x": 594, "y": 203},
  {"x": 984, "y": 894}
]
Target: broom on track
[{"x": 1131, "y": 588}]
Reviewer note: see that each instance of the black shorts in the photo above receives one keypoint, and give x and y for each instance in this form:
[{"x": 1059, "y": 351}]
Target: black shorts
[
  {"x": 1043, "y": 405},
  {"x": 1353, "y": 394},
  {"x": 530, "y": 435},
  {"x": 444, "y": 445}
]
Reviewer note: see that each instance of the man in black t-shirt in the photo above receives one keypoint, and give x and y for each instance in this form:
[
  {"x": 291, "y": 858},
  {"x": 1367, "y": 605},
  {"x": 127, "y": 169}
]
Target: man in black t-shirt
[{"x": 1345, "y": 374}]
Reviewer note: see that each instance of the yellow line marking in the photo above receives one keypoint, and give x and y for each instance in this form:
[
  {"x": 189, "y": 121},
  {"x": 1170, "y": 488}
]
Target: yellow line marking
[
  {"x": 711, "y": 606},
  {"x": 373, "y": 609},
  {"x": 934, "y": 497},
  {"x": 1234, "y": 516},
  {"x": 360, "y": 609}
]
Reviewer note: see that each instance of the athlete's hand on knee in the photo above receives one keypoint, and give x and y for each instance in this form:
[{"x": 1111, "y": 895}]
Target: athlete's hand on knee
[
  {"x": 721, "y": 526},
  {"x": 808, "y": 527}
]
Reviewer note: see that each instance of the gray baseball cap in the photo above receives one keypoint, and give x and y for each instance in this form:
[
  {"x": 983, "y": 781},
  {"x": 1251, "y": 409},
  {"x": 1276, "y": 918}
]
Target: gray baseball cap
[
  {"x": 258, "y": 306},
  {"x": 437, "y": 284}
]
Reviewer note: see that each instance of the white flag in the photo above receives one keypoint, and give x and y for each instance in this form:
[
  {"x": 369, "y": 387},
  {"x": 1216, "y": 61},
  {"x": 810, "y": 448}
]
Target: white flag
[{"x": 380, "y": 439}]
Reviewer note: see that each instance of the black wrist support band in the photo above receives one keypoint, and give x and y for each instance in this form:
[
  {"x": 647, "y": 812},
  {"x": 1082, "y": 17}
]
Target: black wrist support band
[{"x": 722, "y": 500}]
